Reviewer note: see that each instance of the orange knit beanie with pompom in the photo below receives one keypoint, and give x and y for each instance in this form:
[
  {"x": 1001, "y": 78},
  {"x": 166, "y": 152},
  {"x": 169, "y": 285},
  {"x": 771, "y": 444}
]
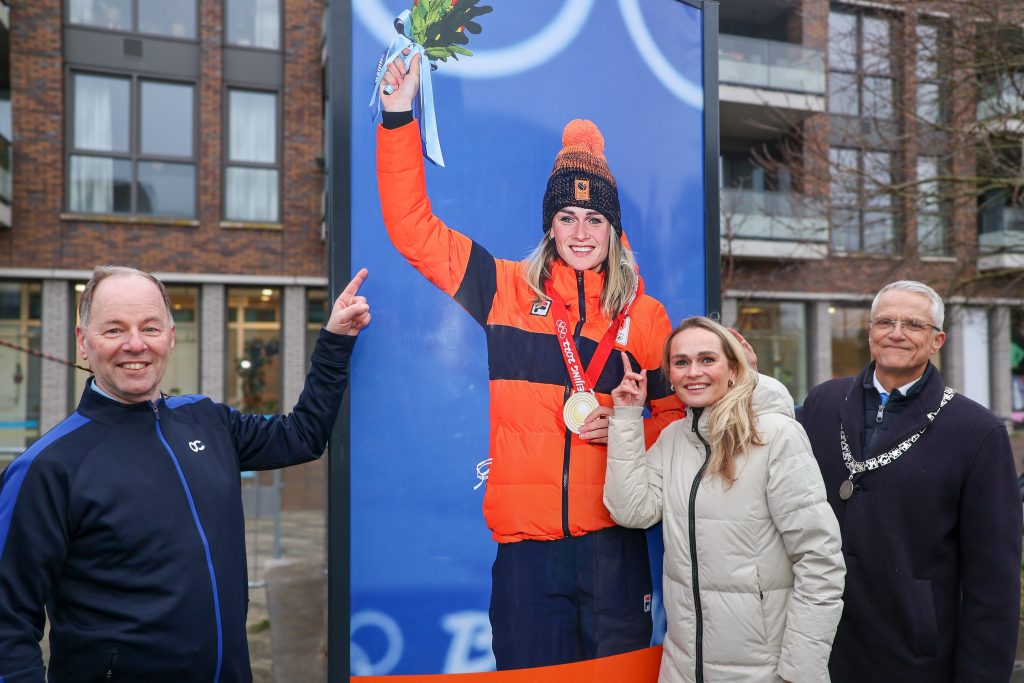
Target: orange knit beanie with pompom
[{"x": 581, "y": 176}]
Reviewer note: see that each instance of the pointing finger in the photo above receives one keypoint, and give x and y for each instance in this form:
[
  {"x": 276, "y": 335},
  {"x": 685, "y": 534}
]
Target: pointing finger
[{"x": 356, "y": 283}]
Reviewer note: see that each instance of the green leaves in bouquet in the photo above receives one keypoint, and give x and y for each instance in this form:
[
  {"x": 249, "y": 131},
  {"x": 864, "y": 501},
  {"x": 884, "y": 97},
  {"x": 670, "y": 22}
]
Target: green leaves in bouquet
[{"x": 440, "y": 26}]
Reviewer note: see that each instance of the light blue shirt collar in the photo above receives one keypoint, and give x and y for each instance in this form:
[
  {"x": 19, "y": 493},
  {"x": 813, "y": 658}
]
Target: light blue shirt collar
[{"x": 904, "y": 390}]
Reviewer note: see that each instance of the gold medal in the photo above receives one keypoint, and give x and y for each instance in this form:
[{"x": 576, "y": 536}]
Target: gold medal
[{"x": 576, "y": 409}]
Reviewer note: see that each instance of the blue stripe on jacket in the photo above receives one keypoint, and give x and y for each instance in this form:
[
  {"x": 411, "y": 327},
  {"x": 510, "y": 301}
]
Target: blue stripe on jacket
[{"x": 16, "y": 471}]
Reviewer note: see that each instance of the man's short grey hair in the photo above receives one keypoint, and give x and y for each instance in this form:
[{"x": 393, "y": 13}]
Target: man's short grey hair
[
  {"x": 938, "y": 309},
  {"x": 101, "y": 273}
]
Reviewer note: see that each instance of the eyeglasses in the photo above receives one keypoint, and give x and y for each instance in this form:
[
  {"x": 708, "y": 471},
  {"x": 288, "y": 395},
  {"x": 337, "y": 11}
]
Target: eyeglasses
[{"x": 913, "y": 325}]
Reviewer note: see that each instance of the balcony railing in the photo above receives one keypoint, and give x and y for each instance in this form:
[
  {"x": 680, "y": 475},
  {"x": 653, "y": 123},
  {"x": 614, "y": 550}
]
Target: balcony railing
[
  {"x": 776, "y": 216},
  {"x": 770, "y": 64},
  {"x": 1002, "y": 101},
  {"x": 1001, "y": 230}
]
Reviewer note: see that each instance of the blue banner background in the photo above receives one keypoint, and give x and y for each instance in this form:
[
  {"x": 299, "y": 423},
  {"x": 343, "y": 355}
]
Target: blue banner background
[{"x": 421, "y": 554}]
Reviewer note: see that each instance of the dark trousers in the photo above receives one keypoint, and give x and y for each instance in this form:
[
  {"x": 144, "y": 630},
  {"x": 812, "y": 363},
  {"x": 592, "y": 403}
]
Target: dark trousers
[{"x": 554, "y": 602}]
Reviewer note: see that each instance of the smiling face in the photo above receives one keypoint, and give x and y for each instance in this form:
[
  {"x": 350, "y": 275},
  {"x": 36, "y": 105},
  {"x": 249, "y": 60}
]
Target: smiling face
[
  {"x": 901, "y": 354},
  {"x": 698, "y": 367},
  {"x": 581, "y": 237},
  {"x": 128, "y": 338}
]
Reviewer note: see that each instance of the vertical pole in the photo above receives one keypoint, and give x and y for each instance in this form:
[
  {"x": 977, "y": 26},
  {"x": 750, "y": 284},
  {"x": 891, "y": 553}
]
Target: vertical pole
[
  {"x": 339, "y": 267},
  {"x": 712, "y": 239}
]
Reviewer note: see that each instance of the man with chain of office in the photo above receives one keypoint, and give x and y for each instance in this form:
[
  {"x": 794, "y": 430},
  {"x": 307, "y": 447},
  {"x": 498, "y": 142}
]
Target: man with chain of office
[{"x": 923, "y": 483}]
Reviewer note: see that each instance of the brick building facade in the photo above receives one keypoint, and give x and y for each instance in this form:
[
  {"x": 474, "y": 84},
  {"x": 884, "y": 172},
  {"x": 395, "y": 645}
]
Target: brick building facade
[
  {"x": 878, "y": 101},
  {"x": 183, "y": 140}
]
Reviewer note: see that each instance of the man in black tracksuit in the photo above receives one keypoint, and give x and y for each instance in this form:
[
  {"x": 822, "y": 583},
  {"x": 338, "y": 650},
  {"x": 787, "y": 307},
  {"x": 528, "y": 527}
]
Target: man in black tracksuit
[{"x": 126, "y": 521}]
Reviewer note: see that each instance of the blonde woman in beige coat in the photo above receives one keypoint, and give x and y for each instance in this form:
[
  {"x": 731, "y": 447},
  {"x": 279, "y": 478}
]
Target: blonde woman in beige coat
[{"x": 753, "y": 569}]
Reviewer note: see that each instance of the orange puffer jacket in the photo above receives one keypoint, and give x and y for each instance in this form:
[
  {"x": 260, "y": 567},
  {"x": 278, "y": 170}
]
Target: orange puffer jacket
[{"x": 544, "y": 482}]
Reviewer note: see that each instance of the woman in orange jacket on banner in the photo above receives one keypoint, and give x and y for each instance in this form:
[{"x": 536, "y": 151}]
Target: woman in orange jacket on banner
[{"x": 568, "y": 584}]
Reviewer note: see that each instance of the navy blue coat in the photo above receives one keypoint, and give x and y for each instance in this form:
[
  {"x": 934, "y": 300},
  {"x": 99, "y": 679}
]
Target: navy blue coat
[
  {"x": 932, "y": 541},
  {"x": 126, "y": 522}
]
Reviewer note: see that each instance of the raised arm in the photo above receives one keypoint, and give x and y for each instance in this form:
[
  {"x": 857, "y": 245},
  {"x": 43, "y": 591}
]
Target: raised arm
[
  {"x": 633, "y": 482},
  {"x": 302, "y": 435}
]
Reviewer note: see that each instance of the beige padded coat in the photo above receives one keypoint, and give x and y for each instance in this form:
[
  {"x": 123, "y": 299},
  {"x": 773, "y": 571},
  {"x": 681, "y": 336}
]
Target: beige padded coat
[{"x": 758, "y": 595}]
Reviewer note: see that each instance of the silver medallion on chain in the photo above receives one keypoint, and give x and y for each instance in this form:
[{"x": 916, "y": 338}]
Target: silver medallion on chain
[{"x": 882, "y": 459}]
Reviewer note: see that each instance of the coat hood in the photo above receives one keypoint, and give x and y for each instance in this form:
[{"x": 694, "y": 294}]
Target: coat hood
[{"x": 772, "y": 396}]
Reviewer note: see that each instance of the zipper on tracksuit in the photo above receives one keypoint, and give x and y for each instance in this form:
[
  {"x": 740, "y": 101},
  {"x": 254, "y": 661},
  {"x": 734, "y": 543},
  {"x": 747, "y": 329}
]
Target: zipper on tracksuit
[
  {"x": 567, "y": 447},
  {"x": 202, "y": 537},
  {"x": 691, "y": 514},
  {"x": 108, "y": 677}
]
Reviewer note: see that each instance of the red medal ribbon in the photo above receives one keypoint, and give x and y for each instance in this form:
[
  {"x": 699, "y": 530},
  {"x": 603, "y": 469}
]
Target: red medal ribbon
[{"x": 583, "y": 381}]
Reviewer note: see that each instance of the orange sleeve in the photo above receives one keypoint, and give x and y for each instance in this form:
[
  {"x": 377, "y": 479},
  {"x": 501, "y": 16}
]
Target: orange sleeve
[{"x": 438, "y": 252}]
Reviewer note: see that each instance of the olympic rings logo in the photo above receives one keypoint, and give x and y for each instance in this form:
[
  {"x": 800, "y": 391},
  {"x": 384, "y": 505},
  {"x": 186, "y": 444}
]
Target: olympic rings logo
[
  {"x": 543, "y": 46},
  {"x": 360, "y": 661},
  {"x": 563, "y": 329}
]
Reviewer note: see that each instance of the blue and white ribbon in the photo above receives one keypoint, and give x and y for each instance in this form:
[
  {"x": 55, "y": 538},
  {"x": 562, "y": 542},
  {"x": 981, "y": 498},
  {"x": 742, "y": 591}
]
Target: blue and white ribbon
[{"x": 424, "y": 105}]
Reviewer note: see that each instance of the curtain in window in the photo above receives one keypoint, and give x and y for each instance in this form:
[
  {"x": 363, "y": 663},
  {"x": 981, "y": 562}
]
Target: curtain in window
[
  {"x": 267, "y": 29},
  {"x": 251, "y": 195},
  {"x": 92, "y": 178},
  {"x": 112, "y": 14},
  {"x": 253, "y": 124}
]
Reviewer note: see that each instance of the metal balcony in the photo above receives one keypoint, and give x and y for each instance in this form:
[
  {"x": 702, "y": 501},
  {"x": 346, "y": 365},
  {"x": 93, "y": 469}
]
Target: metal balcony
[
  {"x": 1001, "y": 238},
  {"x": 1000, "y": 108},
  {"x": 766, "y": 86},
  {"x": 772, "y": 225}
]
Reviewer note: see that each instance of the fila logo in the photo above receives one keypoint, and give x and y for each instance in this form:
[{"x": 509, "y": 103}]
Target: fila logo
[
  {"x": 196, "y": 446},
  {"x": 582, "y": 186},
  {"x": 540, "y": 308},
  {"x": 647, "y": 603}
]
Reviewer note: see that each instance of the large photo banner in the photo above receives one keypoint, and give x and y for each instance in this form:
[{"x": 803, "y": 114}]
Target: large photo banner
[{"x": 421, "y": 552}]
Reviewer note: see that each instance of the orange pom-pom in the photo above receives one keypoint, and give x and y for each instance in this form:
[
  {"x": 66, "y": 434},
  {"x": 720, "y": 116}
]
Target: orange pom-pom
[{"x": 583, "y": 132}]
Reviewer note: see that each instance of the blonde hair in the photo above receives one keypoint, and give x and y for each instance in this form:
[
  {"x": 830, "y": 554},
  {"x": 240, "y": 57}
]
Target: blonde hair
[
  {"x": 620, "y": 281},
  {"x": 731, "y": 418}
]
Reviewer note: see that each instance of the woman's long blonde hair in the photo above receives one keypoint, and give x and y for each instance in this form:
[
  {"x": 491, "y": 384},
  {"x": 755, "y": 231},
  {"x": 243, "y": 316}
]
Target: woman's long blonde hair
[
  {"x": 730, "y": 419},
  {"x": 619, "y": 282}
]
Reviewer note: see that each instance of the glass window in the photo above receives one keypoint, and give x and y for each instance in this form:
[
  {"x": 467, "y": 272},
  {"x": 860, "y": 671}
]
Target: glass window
[
  {"x": 316, "y": 316},
  {"x": 182, "y": 374},
  {"x": 877, "y": 46},
  {"x": 115, "y": 15},
  {"x": 777, "y": 331},
  {"x": 251, "y": 179},
  {"x": 102, "y": 112},
  {"x": 165, "y": 18},
  {"x": 926, "y": 69},
  {"x": 1017, "y": 364},
  {"x": 842, "y": 41},
  {"x": 174, "y": 18},
  {"x": 254, "y": 23},
  {"x": 863, "y": 212},
  {"x": 166, "y": 120},
  {"x": 850, "y": 353},
  {"x": 20, "y": 372},
  {"x": 253, "y": 350},
  {"x": 861, "y": 71},
  {"x": 931, "y": 218},
  {"x": 166, "y": 189},
  {"x": 132, "y": 154}
]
